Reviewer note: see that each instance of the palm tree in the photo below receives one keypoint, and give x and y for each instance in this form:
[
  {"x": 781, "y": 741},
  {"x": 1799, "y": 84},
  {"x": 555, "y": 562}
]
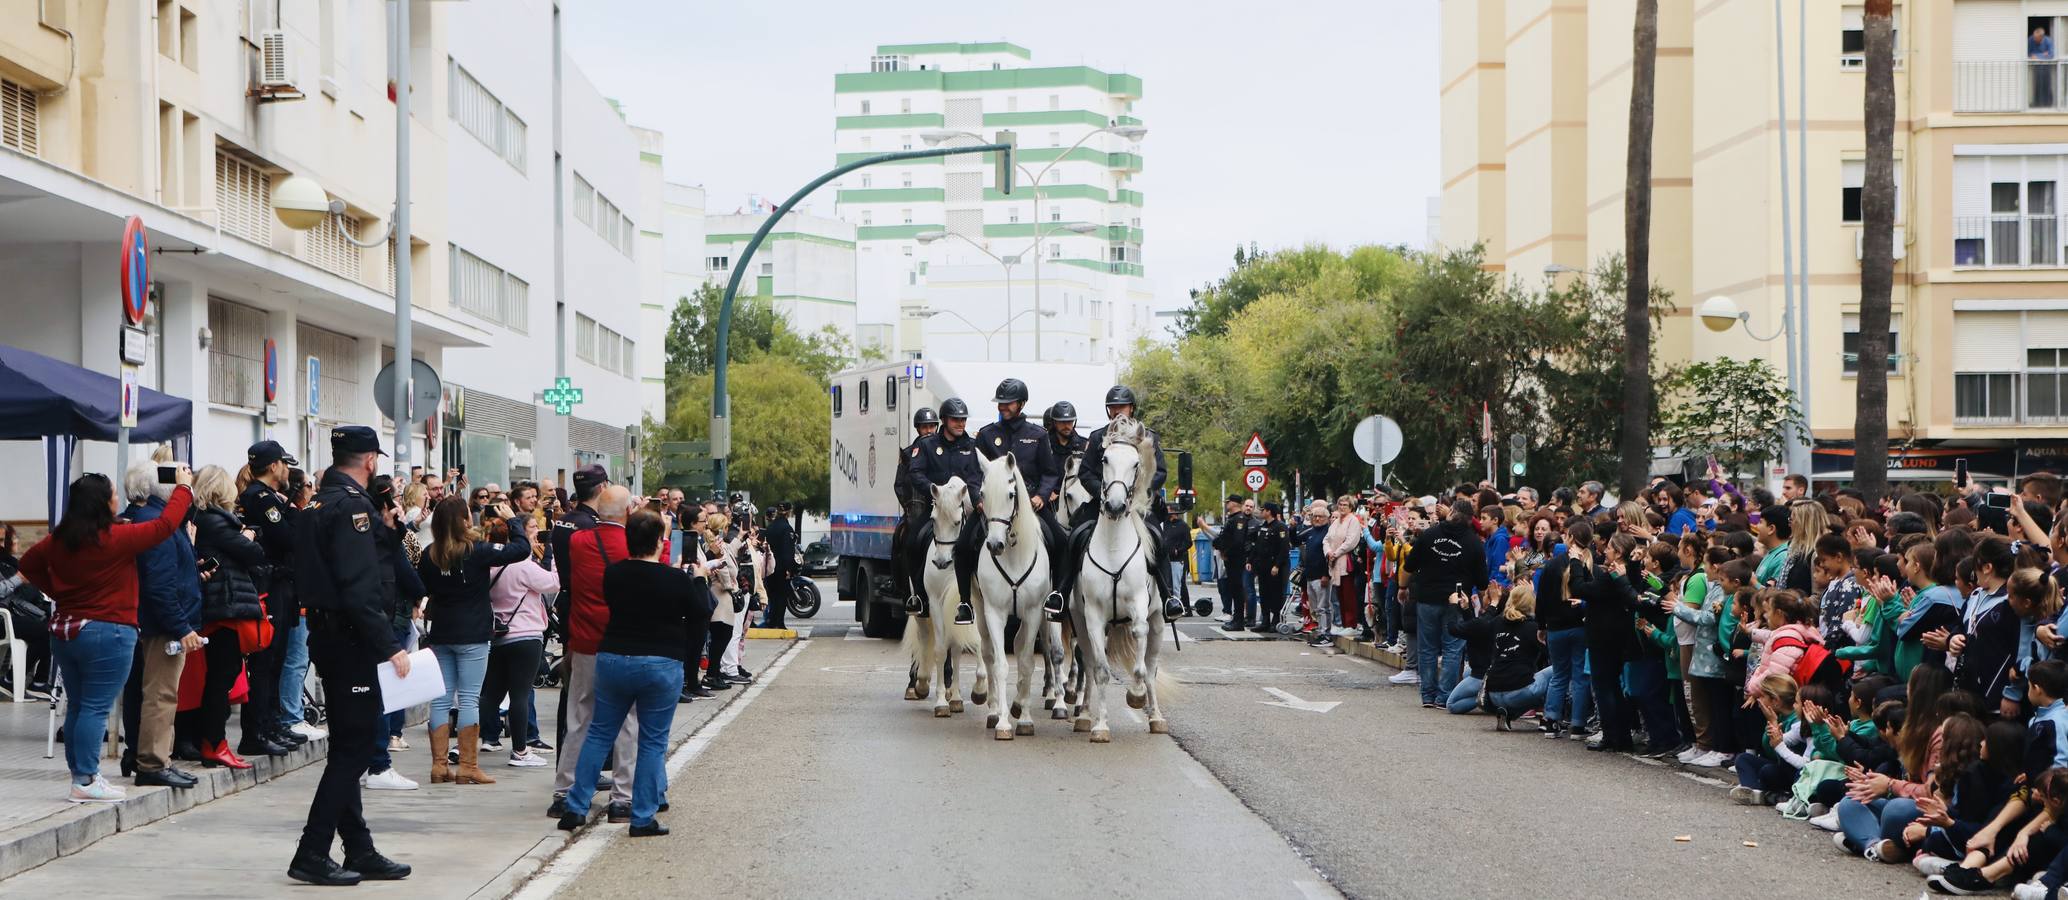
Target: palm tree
[
  {"x": 1634, "y": 442},
  {"x": 1878, "y": 226}
]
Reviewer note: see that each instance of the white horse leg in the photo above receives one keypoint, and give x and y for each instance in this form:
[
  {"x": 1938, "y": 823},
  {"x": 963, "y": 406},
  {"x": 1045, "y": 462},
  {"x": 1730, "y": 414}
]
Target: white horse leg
[
  {"x": 992, "y": 623},
  {"x": 1023, "y": 659},
  {"x": 1097, "y": 674},
  {"x": 1137, "y": 676},
  {"x": 980, "y": 693},
  {"x": 1058, "y": 673},
  {"x": 940, "y": 667},
  {"x": 1152, "y": 656}
]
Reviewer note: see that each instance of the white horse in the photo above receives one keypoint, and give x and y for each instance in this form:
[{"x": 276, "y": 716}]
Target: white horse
[
  {"x": 1012, "y": 580},
  {"x": 1065, "y": 672},
  {"x": 935, "y": 644},
  {"x": 1116, "y": 615}
]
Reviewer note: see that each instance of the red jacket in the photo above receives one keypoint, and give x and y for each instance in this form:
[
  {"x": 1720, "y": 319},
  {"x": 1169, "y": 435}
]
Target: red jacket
[
  {"x": 98, "y": 580},
  {"x": 587, "y": 613}
]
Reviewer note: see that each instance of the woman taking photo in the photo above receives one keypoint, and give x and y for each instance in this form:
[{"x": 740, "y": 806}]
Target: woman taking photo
[
  {"x": 232, "y": 612},
  {"x": 516, "y": 597},
  {"x": 638, "y": 669},
  {"x": 88, "y": 567},
  {"x": 456, "y": 573},
  {"x": 719, "y": 559}
]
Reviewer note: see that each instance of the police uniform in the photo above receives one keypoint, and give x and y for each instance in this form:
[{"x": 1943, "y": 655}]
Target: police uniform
[
  {"x": 1028, "y": 446},
  {"x": 940, "y": 458},
  {"x": 1270, "y": 548},
  {"x": 1233, "y": 544},
  {"x": 1091, "y": 474},
  {"x": 339, "y": 580},
  {"x": 271, "y": 516},
  {"x": 912, "y": 516}
]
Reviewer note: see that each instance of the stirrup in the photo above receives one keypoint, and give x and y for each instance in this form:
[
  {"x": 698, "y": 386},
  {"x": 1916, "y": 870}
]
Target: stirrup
[
  {"x": 964, "y": 615},
  {"x": 1054, "y": 606},
  {"x": 913, "y": 606},
  {"x": 1173, "y": 609}
]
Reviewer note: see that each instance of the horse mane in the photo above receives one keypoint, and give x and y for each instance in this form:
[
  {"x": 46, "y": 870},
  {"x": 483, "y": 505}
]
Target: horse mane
[
  {"x": 1130, "y": 432},
  {"x": 961, "y": 509}
]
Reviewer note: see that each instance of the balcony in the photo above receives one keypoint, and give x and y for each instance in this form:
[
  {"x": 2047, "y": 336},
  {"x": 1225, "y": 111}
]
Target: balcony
[
  {"x": 2010, "y": 86},
  {"x": 2007, "y": 241}
]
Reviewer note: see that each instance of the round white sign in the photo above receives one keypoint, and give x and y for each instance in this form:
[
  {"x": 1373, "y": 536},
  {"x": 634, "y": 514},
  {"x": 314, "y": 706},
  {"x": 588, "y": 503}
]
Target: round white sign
[{"x": 1377, "y": 440}]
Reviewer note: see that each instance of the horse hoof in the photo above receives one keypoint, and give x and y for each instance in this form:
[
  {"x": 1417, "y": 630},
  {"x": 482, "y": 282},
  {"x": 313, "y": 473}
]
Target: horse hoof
[
  {"x": 940, "y": 712},
  {"x": 1059, "y": 713},
  {"x": 1159, "y": 726},
  {"x": 1137, "y": 701},
  {"x": 913, "y": 694},
  {"x": 1048, "y": 703},
  {"x": 1003, "y": 734},
  {"x": 979, "y": 697},
  {"x": 1018, "y": 710},
  {"x": 1104, "y": 736},
  {"x": 1024, "y": 728},
  {"x": 954, "y": 706},
  {"x": 991, "y": 721},
  {"x": 1070, "y": 698},
  {"x": 1081, "y": 725}
]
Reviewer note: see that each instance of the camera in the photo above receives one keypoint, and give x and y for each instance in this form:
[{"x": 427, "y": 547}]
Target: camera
[{"x": 168, "y": 474}]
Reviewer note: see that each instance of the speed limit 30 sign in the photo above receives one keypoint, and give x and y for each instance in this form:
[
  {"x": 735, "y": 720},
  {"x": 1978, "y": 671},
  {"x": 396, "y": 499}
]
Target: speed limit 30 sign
[{"x": 1256, "y": 479}]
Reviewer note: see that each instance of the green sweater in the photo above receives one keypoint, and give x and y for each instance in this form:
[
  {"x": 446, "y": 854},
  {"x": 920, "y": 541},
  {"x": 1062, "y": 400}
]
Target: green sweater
[
  {"x": 1772, "y": 566},
  {"x": 1876, "y": 652}
]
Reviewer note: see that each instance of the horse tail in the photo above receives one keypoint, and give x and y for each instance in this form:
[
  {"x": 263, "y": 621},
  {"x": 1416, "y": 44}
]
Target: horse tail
[
  {"x": 964, "y": 638},
  {"x": 1122, "y": 650},
  {"x": 917, "y": 641}
]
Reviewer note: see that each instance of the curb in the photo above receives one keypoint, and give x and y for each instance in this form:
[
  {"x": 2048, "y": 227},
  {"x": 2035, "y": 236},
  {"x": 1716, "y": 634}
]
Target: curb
[
  {"x": 1353, "y": 647},
  {"x": 771, "y": 634}
]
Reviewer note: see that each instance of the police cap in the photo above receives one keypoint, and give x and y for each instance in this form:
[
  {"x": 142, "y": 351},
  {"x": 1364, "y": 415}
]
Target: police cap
[
  {"x": 1120, "y": 395},
  {"x": 264, "y": 453},
  {"x": 354, "y": 439},
  {"x": 1011, "y": 390},
  {"x": 925, "y": 416},
  {"x": 1062, "y": 411},
  {"x": 954, "y": 408}
]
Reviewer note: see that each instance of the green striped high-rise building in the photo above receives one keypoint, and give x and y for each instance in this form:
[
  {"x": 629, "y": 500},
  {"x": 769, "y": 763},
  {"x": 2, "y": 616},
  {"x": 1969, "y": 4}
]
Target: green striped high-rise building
[{"x": 927, "y": 232}]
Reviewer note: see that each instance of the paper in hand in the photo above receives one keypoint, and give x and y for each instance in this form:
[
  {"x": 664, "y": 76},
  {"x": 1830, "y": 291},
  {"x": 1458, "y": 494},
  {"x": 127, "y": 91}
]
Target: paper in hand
[{"x": 425, "y": 681}]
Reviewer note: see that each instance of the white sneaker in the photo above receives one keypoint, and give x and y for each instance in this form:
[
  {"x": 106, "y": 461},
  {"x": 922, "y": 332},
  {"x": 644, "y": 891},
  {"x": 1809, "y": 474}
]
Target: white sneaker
[
  {"x": 308, "y": 731},
  {"x": 1406, "y": 676},
  {"x": 1689, "y": 755},
  {"x": 100, "y": 791},
  {"x": 1929, "y": 865},
  {"x": 1828, "y": 822},
  {"x": 524, "y": 760},
  {"x": 387, "y": 780},
  {"x": 396, "y": 745},
  {"x": 2031, "y": 890}
]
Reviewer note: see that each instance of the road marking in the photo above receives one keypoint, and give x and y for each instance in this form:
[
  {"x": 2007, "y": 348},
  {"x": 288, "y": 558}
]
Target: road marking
[
  {"x": 854, "y": 633},
  {"x": 1644, "y": 759},
  {"x": 1137, "y": 717},
  {"x": 583, "y": 850},
  {"x": 1315, "y": 890},
  {"x": 1287, "y": 700},
  {"x": 1238, "y": 634},
  {"x": 1713, "y": 782}
]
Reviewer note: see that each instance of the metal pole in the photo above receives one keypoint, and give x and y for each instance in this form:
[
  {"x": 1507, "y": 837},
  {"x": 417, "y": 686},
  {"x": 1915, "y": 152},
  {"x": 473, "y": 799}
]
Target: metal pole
[
  {"x": 121, "y": 455},
  {"x": 1802, "y": 253},
  {"x": 404, "y": 360},
  {"x": 1036, "y": 218},
  {"x": 1008, "y": 318},
  {"x": 1787, "y": 234},
  {"x": 721, "y": 402}
]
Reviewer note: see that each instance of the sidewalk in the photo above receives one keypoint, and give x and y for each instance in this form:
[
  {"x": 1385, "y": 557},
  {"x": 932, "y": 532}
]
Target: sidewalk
[{"x": 464, "y": 841}]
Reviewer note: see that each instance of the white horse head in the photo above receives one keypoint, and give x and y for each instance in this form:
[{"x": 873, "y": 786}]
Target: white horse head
[
  {"x": 1007, "y": 502},
  {"x": 1074, "y": 494},
  {"x": 1126, "y": 486},
  {"x": 950, "y": 506}
]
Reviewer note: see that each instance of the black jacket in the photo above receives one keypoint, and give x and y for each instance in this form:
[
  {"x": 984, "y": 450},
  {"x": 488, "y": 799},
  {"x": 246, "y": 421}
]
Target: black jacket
[
  {"x": 337, "y": 567},
  {"x": 782, "y": 546},
  {"x": 1029, "y": 447},
  {"x": 1446, "y": 556},
  {"x": 1233, "y": 541},
  {"x": 1516, "y": 651},
  {"x": 1177, "y": 541},
  {"x": 241, "y": 574},
  {"x": 1554, "y": 612},
  {"x": 267, "y": 512},
  {"x": 459, "y": 609},
  {"x": 1478, "y": 633},
  {"x": 1610, "y": 614},
  {"x": 1091, "y": 471},
  {"x": 941, "y": 458},
  {"x": 580, "y": 518},
  {"x": 1269, "y": 548}
]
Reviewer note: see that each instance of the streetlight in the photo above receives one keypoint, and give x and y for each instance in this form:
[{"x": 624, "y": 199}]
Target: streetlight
[
  {"x": 1720, "y": 314},
  {"x": 1560, "y": 269},
  {"x": 1010, "y": 260},
  {"x": 1127, "y": 132},
  {"x": 928, "y": 312}
]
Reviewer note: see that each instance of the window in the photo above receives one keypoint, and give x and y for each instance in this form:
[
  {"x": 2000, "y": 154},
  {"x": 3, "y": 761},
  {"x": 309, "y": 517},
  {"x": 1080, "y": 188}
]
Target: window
[
  {"x": 1012, "y": 104},
  {"x": 584, "y": 201},
  {"x": 906, "y": 142},
  {"x": 867, "y": 218},
  {"x": 237, "y": 355},
  {"x": 861, "y": 396},
  {"x": 908, "y": 249},
  {"x": 866, "y": 142},
  {"x": 836, "y": 401},
  {"x": 907, "y": 214},
  {"x": 866, "y": 181},
  {"x": 1852, "y": 37},
  {"x": 18, "y": 117},
  {"x": 1055, "y": 251},
  {"x": 1850, "y": 343},
  {"x": 889, "y": 63},
  {"x": 2046, "y": 373},
  {"x": 1055, "y": 101},
  {"x": 1055, "y": 139},
  {"x": 905, "y": 105},
  {"x": 1852, "y": 181},
  {"x": 906, "y": 177},
  {"x": 485, "y": 290},
  {"x": 329, "y": 245},
  {"x": 337, "y": 362},
  {"x": 2006, "y": 211},
  {"x": 717, "y": 263},
  {"x": 609, "y": 222},
  {"x": 1055, "y": 214},
  {"x": 483, "y": 115},
  {"x": 596, "y": 344},
  {"x": 890, "y": 393},
  {"x": 865, "y": 107},
  {"x": 768, "y": 268},
  {"x": 1012, "y": 215},
  {"x": 2010, "y": 367},
  {"x": 243, "y": 198}
]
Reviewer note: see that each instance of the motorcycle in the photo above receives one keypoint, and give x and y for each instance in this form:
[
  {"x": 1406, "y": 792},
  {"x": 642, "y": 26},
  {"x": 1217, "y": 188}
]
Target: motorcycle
[{"x": 804, "y": 597}]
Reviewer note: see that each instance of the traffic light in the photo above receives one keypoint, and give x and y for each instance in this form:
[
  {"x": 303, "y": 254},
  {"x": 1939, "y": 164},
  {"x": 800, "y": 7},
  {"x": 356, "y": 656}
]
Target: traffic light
[
  {"x": 1518, "y": 455},
  {"x": 1185, "y": 494},
  {"x": 1003, "y": 175}
]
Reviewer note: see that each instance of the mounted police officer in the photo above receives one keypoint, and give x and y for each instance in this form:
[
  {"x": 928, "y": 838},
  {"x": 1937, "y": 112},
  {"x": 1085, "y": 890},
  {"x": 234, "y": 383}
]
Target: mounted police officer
[
  {"x": 339, "y": 579},
  {"x": 948, "y": 453},
  {"x": 1120, "y": 401},
  {"x": 903, "y": 540},
  {"x": 1066, "y": 445},
  {"x": 1040, "y": 470}
]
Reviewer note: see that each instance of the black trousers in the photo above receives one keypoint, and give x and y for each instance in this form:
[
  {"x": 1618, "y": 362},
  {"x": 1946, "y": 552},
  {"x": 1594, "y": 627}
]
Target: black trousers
[
  {"x": 1271, "y": 596},
  {"x": 697, "y": 636},
  {"x": 720, "y": 635},
  {"x": 261, "y": 713},
  {"x": 225, "y": 659},
  {"x": 511, "y": 668},
  {"x": 777, "y": 587},
  {"x": 354, "y": 698}
]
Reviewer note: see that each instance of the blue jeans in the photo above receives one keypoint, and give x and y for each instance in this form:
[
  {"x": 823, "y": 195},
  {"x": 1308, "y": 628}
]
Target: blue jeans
[
  {"x": 1566, "y": 699},
  {"x": 1442, "y": 655},
  {"x": 463, "y": 666},
  {"x": 1523, "y": 699},
  {"x": 293, "y": 673},
  {"x": 1249, "y": 590},
  {"x": 1465, "y": 697},
  {"x": 95, "y": 665},
  {"x": 1866, "y": 823},
  {"x": 625, "y": 683},
  {"x": 1648, "y": 687}
]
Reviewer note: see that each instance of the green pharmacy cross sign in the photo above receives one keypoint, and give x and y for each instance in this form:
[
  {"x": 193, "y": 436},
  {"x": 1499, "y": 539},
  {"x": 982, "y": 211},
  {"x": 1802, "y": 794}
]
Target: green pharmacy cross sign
[{"x": 563, "y": 395}]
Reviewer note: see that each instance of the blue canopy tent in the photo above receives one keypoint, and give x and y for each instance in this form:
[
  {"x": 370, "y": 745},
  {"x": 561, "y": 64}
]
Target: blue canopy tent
[{"x": 60, "y": 404}]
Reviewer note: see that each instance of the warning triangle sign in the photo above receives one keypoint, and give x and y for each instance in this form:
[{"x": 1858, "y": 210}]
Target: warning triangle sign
[{"x": 1255, "y": 447}]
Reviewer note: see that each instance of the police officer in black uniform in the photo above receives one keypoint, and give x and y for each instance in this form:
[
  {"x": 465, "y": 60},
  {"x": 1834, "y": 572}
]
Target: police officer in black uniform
[
  {"x": 905, "y": 549},
  {"x": 339, "y": 579},
  {"x": 948, "y": 453},
  {"x": 1233, "y": 543},
  {"x": 1270, "y": 561},
  {"x": 1028, "y": 444},
  {"x": 1065, "y": 444},
  {"x": 271, "y": 514},
  {"x": 1120, "y": 401}
]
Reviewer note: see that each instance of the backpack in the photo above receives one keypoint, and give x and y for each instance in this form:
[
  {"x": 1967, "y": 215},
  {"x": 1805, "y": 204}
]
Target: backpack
[{"x": 1816, "y": 665}]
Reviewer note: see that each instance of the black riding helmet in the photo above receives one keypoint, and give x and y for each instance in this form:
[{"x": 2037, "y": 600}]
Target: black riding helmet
[
  {"x": 1011, "y": 390},
  {"x": 1119, "y": 395},
  {"x": 925, "y": 416},
  {"x": 1062, "y": 411},
  {"x": 954, "y": 408}
]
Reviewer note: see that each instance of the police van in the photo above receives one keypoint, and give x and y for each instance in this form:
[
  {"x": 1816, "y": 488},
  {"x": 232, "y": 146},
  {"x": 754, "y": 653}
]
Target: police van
[{"x": 872, "y": 407}]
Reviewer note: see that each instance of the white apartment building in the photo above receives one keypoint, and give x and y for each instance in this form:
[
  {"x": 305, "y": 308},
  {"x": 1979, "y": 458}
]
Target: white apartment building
[
  {"x": 672, "y": 272},
  {"x": 806, "y": 267},
  {"x": 935, "y": 236},
  {"x": 164, "y": 111}
]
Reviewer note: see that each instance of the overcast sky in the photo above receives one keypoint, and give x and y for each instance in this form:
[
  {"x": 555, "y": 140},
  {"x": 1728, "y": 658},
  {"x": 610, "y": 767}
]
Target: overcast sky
[{"x": 1310, "y": 120}]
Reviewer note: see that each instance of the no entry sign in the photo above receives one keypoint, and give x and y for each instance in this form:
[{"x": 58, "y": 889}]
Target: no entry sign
[{"x": 136, "y": 270}]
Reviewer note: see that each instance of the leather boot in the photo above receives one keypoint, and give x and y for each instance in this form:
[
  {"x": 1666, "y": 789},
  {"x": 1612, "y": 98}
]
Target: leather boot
[
  {"x": 440, "y": 736},
  {"x": 469, "y": 771}
]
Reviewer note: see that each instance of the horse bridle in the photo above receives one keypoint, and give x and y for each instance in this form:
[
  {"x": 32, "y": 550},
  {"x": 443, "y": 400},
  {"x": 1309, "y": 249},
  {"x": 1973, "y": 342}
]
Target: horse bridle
[{"x": 1130, "y": 488}]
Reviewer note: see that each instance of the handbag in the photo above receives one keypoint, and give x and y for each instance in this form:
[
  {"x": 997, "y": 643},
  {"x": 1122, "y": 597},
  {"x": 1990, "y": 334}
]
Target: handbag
[{"x": 501, "y": 628}]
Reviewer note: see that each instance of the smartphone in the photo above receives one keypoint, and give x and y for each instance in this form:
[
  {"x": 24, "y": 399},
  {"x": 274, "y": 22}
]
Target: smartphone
[
  {"x": 2000, "y": 501},
  {"x": 168, "y": 475},
  {"x": 1960, "y": 473}
]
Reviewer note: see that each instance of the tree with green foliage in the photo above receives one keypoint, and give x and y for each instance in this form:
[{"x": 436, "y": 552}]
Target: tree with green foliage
[
  {"x": 1735, "y": 412},
  {"x": 757, "y": 329}
]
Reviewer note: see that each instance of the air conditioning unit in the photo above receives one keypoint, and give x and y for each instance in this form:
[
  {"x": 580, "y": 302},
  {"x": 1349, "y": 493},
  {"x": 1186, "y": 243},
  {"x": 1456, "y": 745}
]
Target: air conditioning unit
[
  {"x": 276, "y": 64},
  {"x": 1860, "y": 243}
]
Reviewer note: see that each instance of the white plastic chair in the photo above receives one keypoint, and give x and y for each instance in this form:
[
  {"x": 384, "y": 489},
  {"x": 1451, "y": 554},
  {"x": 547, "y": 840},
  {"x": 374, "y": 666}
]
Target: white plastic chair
[{"x": 16, "y": 652}]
